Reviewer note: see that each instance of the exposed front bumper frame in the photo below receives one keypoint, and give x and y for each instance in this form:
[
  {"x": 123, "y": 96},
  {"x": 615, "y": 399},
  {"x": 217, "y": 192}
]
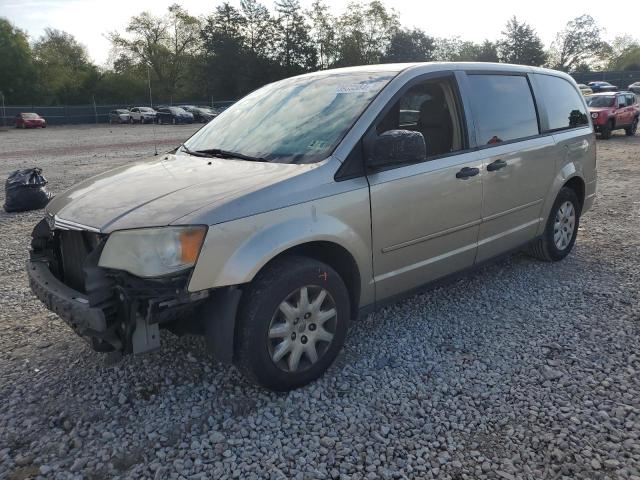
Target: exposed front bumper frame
[{"x": 70, "y": 305}]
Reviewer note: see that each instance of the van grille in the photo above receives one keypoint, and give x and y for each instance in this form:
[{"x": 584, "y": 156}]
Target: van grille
[{"x": 73, "y": 249}]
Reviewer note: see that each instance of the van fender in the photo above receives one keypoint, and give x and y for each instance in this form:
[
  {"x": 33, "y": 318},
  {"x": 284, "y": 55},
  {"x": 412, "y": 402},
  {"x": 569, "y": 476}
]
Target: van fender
[
  {"x": 221, "y": 264},
  {"x": 569, "y": 170}
]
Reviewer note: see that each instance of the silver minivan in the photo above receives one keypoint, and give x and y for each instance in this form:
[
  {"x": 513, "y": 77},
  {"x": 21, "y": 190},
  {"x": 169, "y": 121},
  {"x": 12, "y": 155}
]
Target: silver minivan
[{"x": 314, "y": 200}]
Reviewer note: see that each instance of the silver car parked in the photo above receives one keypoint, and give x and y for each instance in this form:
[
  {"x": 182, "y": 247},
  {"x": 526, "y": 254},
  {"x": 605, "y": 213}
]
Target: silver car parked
[
  {"x": 314, "y": 200},
  {"x": 120, "y": 115}
]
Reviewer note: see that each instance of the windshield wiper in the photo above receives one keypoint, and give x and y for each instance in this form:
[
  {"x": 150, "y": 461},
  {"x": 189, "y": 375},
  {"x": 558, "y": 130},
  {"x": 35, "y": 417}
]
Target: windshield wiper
[
  {"x": 195, "y": 154},
  {"x": 216, "y": 152}
]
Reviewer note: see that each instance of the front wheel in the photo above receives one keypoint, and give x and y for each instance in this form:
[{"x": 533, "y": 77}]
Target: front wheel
[
  {"x": 292, "y": 323},
  {"x": 632, "y": 129},
  {"x": 605, "y": 133},
  {"x": 561, "y": 230}
]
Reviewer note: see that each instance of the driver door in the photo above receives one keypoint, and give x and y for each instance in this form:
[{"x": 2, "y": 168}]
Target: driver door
[
  {"x": 622, "y": 112},
  {"x": 425, "y": 216}
]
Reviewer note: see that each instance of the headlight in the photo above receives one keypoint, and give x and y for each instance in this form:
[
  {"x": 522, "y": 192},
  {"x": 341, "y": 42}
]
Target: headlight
[
  {"x": 152, "y": 252},
  {"x": 594, "y": 115}
]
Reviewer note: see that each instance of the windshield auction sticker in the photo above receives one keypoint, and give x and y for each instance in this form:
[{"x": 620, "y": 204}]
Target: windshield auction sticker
[{"x": 355, "y": 88}]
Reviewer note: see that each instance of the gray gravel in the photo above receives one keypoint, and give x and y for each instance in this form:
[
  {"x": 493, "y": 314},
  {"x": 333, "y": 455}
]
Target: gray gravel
[{"x": 525, "y": 370}]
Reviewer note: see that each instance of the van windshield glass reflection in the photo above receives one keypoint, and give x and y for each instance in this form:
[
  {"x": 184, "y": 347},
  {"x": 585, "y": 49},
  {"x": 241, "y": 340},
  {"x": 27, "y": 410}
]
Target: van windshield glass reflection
[{"x": 298, "y": 120}]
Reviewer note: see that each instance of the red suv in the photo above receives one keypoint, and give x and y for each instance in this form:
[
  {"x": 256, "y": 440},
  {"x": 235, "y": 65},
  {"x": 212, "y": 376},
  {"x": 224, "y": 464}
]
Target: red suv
[
  {"x": 614, "y": 111},
  {"x": 30, "y": 120}
]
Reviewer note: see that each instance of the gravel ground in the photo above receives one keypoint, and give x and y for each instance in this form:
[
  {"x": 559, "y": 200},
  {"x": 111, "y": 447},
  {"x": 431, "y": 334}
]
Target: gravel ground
[{"x": 524, "y": 370}]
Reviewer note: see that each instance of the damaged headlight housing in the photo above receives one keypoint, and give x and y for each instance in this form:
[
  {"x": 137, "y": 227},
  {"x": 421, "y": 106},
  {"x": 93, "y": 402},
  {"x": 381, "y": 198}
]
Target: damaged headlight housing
[{"x": 153, "y": 252}]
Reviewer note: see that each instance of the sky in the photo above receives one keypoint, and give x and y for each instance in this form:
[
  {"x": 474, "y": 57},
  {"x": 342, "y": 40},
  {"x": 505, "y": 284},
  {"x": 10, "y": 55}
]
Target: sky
[{"x": 90, "y": 20}]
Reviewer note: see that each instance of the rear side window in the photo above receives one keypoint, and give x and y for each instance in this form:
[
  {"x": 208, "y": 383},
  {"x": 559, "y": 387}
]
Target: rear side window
[
  {"x": 503, "y": 108},
  {"x": 631, "y": 99},
  {"x": 563, "y": 103}
]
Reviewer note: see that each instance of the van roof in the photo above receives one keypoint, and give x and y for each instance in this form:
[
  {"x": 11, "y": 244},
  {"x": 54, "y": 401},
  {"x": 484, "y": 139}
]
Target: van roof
[{"x": 435, "y": 66}]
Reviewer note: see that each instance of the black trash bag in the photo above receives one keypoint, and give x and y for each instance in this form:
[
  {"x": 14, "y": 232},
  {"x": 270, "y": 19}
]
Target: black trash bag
[{"x": 25, "y": 190}]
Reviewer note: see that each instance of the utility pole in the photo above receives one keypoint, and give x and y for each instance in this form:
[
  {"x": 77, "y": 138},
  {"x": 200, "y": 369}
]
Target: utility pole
[
  {"x": 155, "y": 141},
  {"x": 149, "y": 82},
  {"x": 95, "y": 111},
  {"x": 4, "y": 112}
]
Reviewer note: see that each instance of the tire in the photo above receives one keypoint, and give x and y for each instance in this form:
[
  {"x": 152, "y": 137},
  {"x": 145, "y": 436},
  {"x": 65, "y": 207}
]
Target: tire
[
  {"x": 131, "y": 122},
  {"x": 605, "y": 133},
  {"x": 261, "y": 313},
  {"x": 547, "y": 248},
  {"x": 632, "y": 129},
  {"x": 173, "y": 121}
]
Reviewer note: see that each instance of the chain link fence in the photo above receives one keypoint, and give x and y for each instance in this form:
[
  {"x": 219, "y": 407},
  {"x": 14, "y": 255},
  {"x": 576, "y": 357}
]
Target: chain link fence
[
  {"x": 86, "y": 114},
  {"x": 620, "y": 79}
]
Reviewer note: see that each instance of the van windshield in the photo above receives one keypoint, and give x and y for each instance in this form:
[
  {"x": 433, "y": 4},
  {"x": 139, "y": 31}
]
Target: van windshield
[{"x": 298, "y": 120}]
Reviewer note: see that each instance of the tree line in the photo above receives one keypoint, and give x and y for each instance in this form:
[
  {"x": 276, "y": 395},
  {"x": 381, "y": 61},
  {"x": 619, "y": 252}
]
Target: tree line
[{"x": 237, "y": 49}]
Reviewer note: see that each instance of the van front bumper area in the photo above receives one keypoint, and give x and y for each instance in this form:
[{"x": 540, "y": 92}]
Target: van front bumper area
[
  {"x": 116, "y": 311},
  {"x": 70, "y": 305},
  {"x": 123, "y": 314}
]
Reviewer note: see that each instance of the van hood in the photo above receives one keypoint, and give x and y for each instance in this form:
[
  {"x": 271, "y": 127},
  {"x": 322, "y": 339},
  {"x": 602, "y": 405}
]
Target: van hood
[{"x": 161, "y": 191}]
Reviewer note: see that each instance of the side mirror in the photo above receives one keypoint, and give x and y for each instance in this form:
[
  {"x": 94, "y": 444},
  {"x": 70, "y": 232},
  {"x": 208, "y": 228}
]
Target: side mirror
[{"x": 395, "y": 147}]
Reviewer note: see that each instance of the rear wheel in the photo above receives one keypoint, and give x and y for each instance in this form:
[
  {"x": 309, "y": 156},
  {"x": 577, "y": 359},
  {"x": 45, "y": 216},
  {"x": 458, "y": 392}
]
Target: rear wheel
[
  {"x": 292, "y": 323},
  {"x": 605, "y": 133},
  {"x": 632, "y": 129},
  {"x": 561, "y": 230}
]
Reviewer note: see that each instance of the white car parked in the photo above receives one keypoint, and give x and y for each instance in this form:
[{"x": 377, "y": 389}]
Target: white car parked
[{"x": 142, "y": 115}]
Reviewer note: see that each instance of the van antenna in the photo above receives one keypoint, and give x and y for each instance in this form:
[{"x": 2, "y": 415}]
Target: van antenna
[{"x": 155, "y": 141}]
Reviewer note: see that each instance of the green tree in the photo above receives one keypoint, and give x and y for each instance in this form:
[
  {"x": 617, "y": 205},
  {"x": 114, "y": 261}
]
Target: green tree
[
  {"x": 623, "y": 53},
  {"x": 323, "y": 32},
  {"x": 259, "y": 64},
  {"x": 293, "y": 46},
  {"x": 365, "y": 33},
  {"x": 579, "y": 43},
  {"x": 410, "y": 46},
  {"x": 223, "y": 44},
  {"x": 258, "y": 29},
  {"x": 448, "y": 49},
  {"x": 17, "y": 73},
  {"x": 166, "y": 44},
  {"x": 520, "y": 44},
  {"x": 66, "y": 75},
  {"x": 486, "y": 51}
]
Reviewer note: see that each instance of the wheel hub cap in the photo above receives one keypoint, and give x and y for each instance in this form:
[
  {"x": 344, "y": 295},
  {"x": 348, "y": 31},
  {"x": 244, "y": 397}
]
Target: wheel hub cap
[
  {"x": 564, "y": 226},
  {"x": 302, "y": 328}
]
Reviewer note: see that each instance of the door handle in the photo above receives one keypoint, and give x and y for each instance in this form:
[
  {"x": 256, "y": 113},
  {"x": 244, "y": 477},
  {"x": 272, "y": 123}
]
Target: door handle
[
  {"x": 467, "y": 172},
  {"x": 497, "y": 165}
]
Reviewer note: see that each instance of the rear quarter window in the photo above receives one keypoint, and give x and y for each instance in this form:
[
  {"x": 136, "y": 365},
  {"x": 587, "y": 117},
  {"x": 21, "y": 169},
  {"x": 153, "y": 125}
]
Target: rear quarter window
[
  {"x": 502, "y": 108},
  {"x": 563, "y": 103}
]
